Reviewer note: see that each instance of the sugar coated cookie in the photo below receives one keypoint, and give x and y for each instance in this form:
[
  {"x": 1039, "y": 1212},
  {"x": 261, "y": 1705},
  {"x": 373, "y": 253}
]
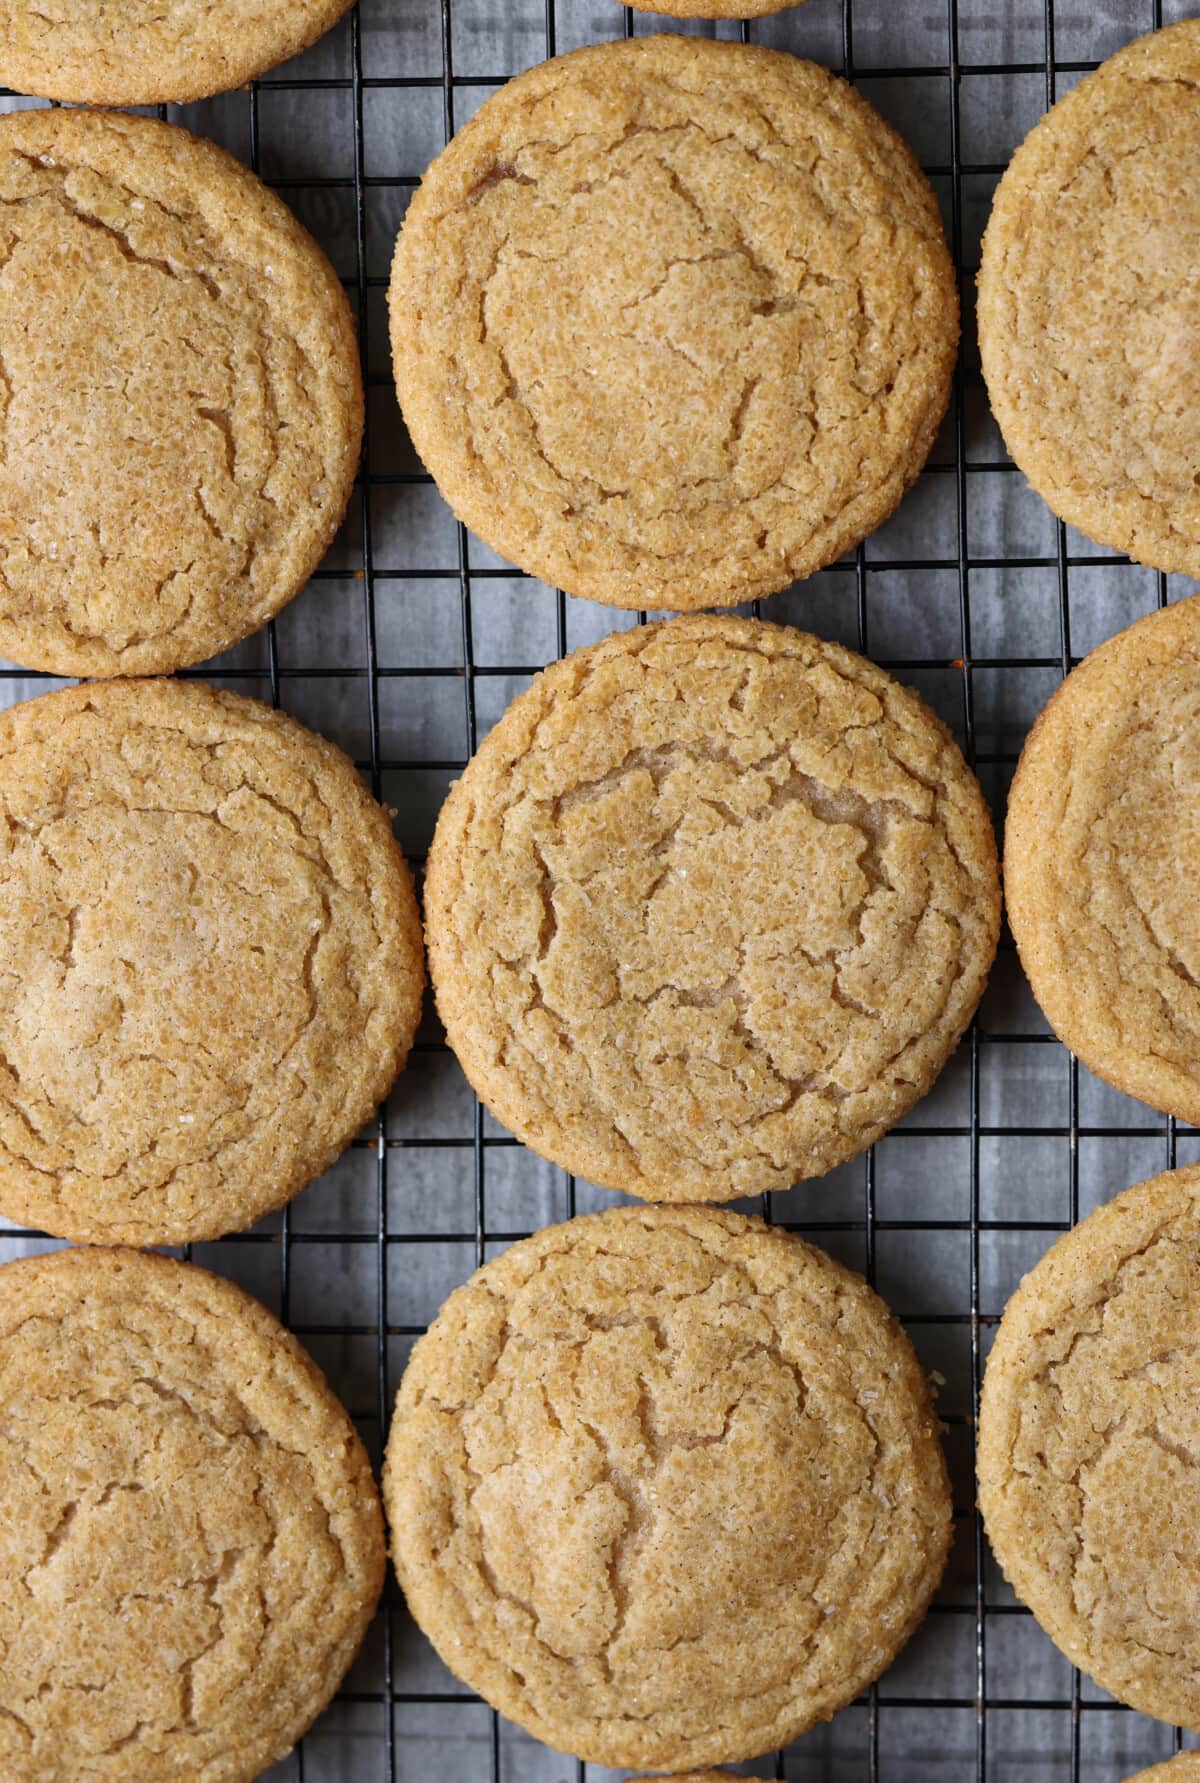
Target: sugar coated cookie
[
  {"x": 1089, "y": 302},
  {"x": 710, "y": 908},
  {"x": 673, "y": 321},
  {"x": 151, "y": 52},
  {"x": 665, "y": 1487},
  {"x": 1089, "y": 1445},
  {"x": 180, "y": 400},
  {"x": 1099, "y": 860},
  {"x": 191, "y": 1544},
  {"x": 210, "y": 960}
]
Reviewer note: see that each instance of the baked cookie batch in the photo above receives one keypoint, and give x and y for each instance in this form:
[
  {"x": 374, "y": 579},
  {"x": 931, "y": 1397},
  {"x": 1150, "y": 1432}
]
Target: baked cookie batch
[{"x": 674, "y": 324}]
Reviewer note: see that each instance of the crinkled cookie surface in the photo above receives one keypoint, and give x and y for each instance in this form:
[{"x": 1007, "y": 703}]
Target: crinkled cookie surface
[
  {"x": 191, "y": 1544},
  {"x": 1101, "y": 838},
  {"x": 710, "y": 908},
  {"x": 1089, "y": 322},
  {"x": 674, "y": 321},
  {"x": 210, "y": 960},
  {"x": 664, "y": 1485},
  {"x": 1089, "y": 1445},
  {"x": 180, "y": 400},
  {"x": 151, "y": 52}
]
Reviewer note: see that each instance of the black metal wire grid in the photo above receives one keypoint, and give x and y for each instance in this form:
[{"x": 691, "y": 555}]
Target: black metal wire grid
[{"x": 980, "y": 1694}]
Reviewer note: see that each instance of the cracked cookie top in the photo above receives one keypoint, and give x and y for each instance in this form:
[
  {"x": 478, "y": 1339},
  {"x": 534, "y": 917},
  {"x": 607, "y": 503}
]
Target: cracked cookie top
[
  {"x": 210, "y": 960},
  {"x": 1089, "y": 323},
  {"x": 1184, "y": 1768},
  {"x": 1089, "y": 1445},
  {"x": 665, "y": 1487},
  {"x": 1100, "y": 846},
  {"x": 180, "y": 404},
  {"x": 151, "y": 52},
  {"x": 710, "y": 908},
  {"x": 673, "y": 321},
  {"x": 191, "y": 1544}
]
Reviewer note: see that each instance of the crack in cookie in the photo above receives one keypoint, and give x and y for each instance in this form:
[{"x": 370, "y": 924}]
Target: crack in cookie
[
  {"x": 180, "y": 403},
  {"x": 210, "y": 960},
  {"x": 1089, "y": 1445},
  {"x": 665, "y": 1486},
  {"x": 1089, "y": 325},
  {"x": 142, "y": 52},
  {"x": 193, "y": 1544},
  {"x": 710, "y": 909},
  {"x": 1102, "y": 829},
  {"x": 673, "y": 321}
]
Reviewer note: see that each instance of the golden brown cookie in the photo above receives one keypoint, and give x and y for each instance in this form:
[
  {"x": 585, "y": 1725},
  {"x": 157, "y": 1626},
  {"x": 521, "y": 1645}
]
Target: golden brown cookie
[
  {"x": 1089, "y": 322},
  {"x": 665, "y": 1487},
  {"x": 673, "y": 321},
  {"x": 191, "y": 1544},
  {"x": 141, "y": 52},
  {"x": 713, "y": 9},
  {"x": 1089, "y": 1445},
  {"x": 708, "y": 1777},
  {"x": 1183, "y": 1768},
  {"x": 1099, "y": 860},
  {"x": 180, "y": 402},
  {"x": 710, "y": 909},
  {"x": 210, "y": 960}
]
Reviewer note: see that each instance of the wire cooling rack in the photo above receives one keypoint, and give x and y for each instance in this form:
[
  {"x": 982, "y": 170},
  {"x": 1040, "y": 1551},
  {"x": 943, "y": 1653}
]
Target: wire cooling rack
[{"x": 407, "y": 645}]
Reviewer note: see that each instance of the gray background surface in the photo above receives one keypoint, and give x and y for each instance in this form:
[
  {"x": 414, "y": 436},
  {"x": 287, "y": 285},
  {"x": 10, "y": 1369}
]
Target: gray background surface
[{"x": 972, "y": 593}]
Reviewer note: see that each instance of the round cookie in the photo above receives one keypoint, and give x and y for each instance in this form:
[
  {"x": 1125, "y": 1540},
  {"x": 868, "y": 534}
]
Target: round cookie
[
  {"x": 1089, "y": 322},
  {"x": 180, "y": 400},
  {"x": 142, "y": 52},
  {"x": 1089, "y": 1445},
  {"x": 191, "y": 1544},
  {"x": 710, "y": 908},
  {"x": 665, "y": 1487},
  {"x": 1102, "y": 831},
  {"x": 1183, "y": 1768},
  {"x": 673, "y": 321},
  {"x": 210, "y": 960}
]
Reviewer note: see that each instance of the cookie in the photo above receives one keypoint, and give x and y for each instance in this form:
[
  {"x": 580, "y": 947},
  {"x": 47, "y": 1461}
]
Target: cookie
[
  {"x": 709, "y": 1777},
  {"x": 191, "y": 1544},
  {"x": 710, "y": 909},
  {"x": 1183, "y": 1768},
  {"x": 210, "y": 960},
  {"x": 664, "y": 1486},
  {"x": 180, "y": 401},
  {"x": 1099, "y": 860},
  {"x": 673, "y": 321},
  {"x": 142, "y": 53},
  {"x": 1089, "y": 1444},
  {"x": 713, "y": 9},
  {"x": 1089, "y": 322}
]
